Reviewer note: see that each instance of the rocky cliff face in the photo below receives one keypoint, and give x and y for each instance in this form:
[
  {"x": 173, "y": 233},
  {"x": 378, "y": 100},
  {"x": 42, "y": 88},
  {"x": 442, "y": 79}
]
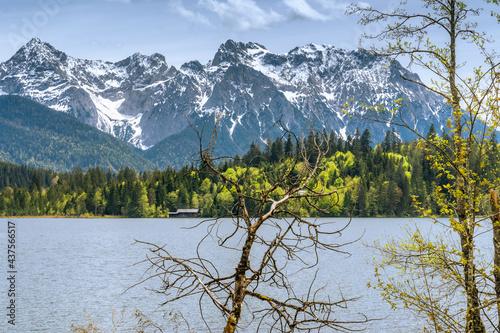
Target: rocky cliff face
[{"x": 143, "y": 101}]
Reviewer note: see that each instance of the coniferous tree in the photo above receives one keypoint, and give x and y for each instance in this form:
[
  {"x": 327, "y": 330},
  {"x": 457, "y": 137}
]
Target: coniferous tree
[
  {"x": 395, "y": 141},
  {"x": 288, "y": 146},
  {"x": 365, "y": 142},
  {"x": 36, "y": 181},
  {"x": 362, "y": 199},
  {"x": 253, "y": 156},
  {"x": 340, "y": 144},
  {"x": 277, "y": 150},
  {"x": 386, "y": 144},
  {"x": 332, "y": 144}
]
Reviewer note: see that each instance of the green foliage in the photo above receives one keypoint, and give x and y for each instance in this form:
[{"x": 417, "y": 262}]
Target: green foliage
[{"x": 379, "y": 181}]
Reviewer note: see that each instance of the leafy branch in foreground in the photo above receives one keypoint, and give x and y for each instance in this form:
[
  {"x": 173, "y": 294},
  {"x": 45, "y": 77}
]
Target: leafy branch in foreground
[{"x": 439, "y": 273}]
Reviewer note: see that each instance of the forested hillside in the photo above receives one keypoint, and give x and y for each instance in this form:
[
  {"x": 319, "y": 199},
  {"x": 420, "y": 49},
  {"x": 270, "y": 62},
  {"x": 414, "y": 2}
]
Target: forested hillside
[
  {"x": 380, "y": 181},
  {"x": 34, "y": 135}
]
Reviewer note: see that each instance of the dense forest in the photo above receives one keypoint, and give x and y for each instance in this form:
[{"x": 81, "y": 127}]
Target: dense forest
[
  {"x": 34, "y": 135},
  {"x": 372, "y": 181}
]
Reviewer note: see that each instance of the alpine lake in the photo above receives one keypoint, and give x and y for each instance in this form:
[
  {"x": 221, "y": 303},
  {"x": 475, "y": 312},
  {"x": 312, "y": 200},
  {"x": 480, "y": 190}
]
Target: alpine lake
[{"x": 67, "y": 270}]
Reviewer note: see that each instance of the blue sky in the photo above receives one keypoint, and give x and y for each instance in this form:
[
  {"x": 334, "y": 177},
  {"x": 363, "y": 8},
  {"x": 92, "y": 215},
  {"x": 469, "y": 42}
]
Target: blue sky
[{"x": 181, "y": 30}]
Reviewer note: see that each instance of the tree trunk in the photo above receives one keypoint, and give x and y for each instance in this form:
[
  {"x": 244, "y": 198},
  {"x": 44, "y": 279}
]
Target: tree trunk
[
  {"x": 474, "y": 322},
  {"x": 240, "y": 285},
  {"x": 495, "y": 220}
]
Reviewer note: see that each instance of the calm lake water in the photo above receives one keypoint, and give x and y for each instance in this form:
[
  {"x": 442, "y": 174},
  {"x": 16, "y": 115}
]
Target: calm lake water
[{"x": 67, "y": 268}]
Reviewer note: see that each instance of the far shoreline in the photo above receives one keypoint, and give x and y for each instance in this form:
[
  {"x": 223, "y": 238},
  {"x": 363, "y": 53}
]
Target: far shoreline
[{"x": 207, "y": 218}]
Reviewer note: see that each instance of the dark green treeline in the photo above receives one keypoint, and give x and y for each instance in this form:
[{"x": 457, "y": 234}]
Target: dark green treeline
[{"x": 380, "y": 181}]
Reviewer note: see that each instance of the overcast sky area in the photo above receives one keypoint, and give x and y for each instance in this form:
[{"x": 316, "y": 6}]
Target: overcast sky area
[{"x": 185, "y": 30}]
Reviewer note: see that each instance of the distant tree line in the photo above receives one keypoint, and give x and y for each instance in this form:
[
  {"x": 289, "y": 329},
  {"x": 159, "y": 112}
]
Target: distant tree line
[{"x": 371, "y": 181}]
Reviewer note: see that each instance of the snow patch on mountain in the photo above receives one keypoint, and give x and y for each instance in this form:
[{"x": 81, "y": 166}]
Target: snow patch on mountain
[
  {"x": 329, "y": 96},
  {"x": 235, "y": 122},
  {"x": 60, "y": 107},
  {"x": 343, "y": 132},
  {"x": 108, "y": 108},
  {"x": 136, "y": 138},
  {"x": 110, "y": 118},
  {"x": 293, "y": 97}
]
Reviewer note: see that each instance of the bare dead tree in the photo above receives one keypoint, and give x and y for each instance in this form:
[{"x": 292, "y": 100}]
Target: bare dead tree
[{"x": 259, "y": 279}]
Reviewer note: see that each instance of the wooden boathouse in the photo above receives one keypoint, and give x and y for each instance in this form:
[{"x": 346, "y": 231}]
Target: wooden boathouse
[{"x": 185, "y": 213}]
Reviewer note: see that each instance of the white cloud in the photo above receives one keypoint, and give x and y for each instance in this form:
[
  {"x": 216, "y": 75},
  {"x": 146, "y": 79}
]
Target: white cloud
[
  {"x": 189, "y": 14},
  {"x": 242, "y": 14},
  {"x": 303, "y": 10},
  {"x": 245, "y": 15},
  {"x": 334, "y": 8}
]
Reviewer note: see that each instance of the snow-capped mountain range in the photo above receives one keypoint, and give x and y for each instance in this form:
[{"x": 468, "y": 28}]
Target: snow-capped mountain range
[{"x": 142, "y": 100}]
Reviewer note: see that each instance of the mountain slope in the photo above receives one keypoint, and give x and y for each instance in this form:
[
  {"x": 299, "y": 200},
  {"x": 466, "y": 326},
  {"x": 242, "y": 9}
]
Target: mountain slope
[
  {"x": 143, "y": 101},
  {"x": 34, "y": 135}
]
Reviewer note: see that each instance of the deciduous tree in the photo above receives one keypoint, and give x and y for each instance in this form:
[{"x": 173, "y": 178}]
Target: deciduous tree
[{"x": 472, "y": 98}]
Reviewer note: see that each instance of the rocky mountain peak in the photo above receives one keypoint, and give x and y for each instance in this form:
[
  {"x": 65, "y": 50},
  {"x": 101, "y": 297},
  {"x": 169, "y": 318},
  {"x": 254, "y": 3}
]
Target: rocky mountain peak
[
  {"x": 36, "y": 43},
  {"x": 193, "y": 67},
  {"x": 235, "y": 53},
  {"x": 140, "y": 60},
  {"x": 312, "y": 49},
  {"x": 38, "y": 52}
]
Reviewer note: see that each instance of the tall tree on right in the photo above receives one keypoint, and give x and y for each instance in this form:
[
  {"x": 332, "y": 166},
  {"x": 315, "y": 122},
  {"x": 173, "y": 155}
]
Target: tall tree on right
[{"x": 417, "y": 34}]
